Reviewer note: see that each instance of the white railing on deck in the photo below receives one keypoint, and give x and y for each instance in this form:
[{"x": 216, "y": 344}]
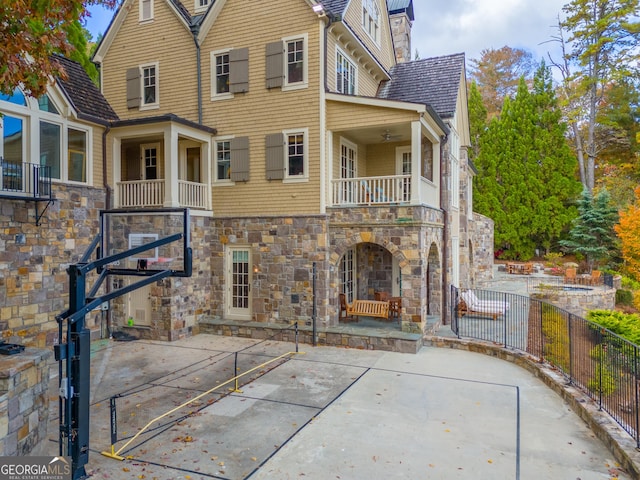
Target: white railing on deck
[
  {"x": 141, "y": 193},
  {"x": 193, "y": 195},
  {"x": 371, "y": 190}
]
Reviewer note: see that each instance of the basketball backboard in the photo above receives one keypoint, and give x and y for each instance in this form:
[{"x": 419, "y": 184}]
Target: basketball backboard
[{"x": 122, "y": 230}]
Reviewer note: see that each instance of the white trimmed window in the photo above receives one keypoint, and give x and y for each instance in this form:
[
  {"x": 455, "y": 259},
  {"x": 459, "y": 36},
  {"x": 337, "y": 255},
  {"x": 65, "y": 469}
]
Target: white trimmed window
[
  {"x": 220, "y": 74},
  {"x": 149, "y": 87},
  {"x": 146, "y": 10},
  {"x": 36, "y": 135},
  {"x": 296, "y": 165},
  {"x": 295, "y": 62},
  {"x": 223, "y": 160},
  {"x": 371, "y": 19},
  {"x": 345, "y": 74}
]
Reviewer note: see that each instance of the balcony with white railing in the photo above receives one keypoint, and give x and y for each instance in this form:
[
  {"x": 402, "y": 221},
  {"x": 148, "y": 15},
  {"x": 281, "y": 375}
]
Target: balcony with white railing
[
  {"x": 194, "y": 195},
  {"x": 394, "y": 189},
  {"x": 152, "y": 193},
  {"x": 141, "y": 193}
]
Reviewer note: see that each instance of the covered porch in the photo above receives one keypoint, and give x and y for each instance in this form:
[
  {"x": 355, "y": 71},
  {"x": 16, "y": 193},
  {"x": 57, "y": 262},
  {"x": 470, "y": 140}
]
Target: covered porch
[
  {"x": 162, "y": 162},
  {"x": 382, "y": 152}
]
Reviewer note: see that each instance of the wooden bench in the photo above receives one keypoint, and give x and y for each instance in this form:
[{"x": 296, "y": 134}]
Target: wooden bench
[{"x": 368, "y": 308}]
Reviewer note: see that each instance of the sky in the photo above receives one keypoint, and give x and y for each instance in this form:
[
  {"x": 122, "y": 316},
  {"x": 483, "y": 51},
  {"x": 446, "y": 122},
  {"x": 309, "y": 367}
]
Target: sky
[{"x": 444, "y": 27}]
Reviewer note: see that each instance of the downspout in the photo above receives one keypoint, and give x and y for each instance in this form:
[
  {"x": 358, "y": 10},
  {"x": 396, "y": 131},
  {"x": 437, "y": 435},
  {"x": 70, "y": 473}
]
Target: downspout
[
  {"x": 195, "y": 31},
  {"x": 445, "y": 232}
]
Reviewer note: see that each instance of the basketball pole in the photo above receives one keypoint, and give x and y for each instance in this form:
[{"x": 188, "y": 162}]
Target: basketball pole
[{"x": 74, "y": 388}]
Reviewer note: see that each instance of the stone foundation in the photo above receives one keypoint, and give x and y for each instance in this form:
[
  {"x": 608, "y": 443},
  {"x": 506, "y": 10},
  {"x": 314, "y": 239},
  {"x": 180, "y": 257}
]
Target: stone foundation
[{"x": 24, "y": 401}]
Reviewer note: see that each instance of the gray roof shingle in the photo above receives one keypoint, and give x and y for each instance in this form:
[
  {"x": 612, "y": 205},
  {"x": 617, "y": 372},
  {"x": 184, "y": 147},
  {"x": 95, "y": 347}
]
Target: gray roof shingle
[
  {"x": 83, "y": 94},
  {"x": 432, "y": 81}
]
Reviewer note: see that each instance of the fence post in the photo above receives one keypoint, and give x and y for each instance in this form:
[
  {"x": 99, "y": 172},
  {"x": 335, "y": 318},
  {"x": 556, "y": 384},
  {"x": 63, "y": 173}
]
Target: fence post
[
  {"x": 236, "y": 388},
  {"x": 635, "y": 376},
  {"x": 569, "y": 322},
  {"x": 504, "y": 333},
  {"x": 314, "y": 333}
]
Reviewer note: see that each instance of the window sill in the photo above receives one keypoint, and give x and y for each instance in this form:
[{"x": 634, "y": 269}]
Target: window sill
[{"x": 221, "y": 96}]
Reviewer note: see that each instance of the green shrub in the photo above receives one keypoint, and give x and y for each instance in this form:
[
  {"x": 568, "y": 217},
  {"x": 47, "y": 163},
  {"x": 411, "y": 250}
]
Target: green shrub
[
  {"x": 624, "y": 297},
  {"x": 603, "y": 383},
  {"x": 627, "y": 325},
  {"x": 556, "y": 334}
]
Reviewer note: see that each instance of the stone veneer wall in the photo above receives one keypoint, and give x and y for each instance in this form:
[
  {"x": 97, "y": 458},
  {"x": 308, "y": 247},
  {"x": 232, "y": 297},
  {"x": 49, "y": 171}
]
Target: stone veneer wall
[
  {"x": 177, "y": 304},
  {"x": 24, "y": 401},
  {"x": 34, "y": 285},
  {"x": 482, "y": 245},
  {"x": 283, "y": 252},
  {"x": 408, "y": 233},
  {"x": 579, "y": 302}
]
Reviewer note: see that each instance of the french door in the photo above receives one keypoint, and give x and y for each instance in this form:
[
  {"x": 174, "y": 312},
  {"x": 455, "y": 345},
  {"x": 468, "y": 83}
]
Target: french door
[{"x": 238, "y": 282}]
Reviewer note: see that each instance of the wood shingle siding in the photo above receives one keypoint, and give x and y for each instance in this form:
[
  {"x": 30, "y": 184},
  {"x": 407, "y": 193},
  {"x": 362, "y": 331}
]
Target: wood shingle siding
[{"x": 164, "y": 40}]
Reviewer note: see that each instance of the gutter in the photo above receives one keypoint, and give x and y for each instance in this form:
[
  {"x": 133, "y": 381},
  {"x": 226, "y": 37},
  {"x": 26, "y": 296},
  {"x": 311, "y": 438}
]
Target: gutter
[{"x": 195, "y": 31}]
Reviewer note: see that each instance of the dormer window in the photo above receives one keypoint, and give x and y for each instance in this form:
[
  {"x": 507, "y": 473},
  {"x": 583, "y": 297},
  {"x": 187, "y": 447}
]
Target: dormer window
[
  {"x": 371, "y": 19},
  {"x": 202, "y": 5}
]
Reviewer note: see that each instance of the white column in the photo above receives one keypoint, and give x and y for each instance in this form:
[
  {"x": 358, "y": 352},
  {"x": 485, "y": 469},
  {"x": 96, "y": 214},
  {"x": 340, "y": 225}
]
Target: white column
[
  {"x": 416, "y": 161},
  {"x": 116, "y": 161},
  {"x": 171, "y": 198}
]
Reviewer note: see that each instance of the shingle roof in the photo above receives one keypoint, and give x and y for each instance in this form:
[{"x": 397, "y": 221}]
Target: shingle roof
[
  {"x": 83, "y": 93},
  {"x": 432, "y": 81},
  {"x": 182, "y": 10},
  {"x": 337, "y": 7}
]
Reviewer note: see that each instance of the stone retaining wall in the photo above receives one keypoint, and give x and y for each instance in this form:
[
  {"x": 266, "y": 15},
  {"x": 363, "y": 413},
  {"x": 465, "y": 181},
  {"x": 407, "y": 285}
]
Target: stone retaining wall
[
  {"x": 34, "y": 286},
  {"x": 578, "y": 302},
  {"x": 24, "y": 401}
]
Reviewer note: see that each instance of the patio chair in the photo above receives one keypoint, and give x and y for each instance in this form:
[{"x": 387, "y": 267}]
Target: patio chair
[
  {"x": 595, "y": 278},
  {"x": 570, "y": 275},
  {"x": 471, "y": 304},
  {"x": 343, "y": 312}
]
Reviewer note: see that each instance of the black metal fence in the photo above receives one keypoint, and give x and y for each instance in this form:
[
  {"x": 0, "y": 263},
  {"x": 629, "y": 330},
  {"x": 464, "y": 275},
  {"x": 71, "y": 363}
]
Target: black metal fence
[
  {"x": 25, "y": 179},
  {"x": 602, "y": 364}
]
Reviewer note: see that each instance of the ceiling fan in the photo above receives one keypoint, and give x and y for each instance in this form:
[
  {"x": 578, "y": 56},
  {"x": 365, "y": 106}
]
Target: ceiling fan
[{"x": 388, "y": 137}]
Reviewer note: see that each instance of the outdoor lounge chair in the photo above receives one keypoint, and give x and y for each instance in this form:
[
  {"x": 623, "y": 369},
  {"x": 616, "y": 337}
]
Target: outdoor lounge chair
[{"x": 470, "y": 304}]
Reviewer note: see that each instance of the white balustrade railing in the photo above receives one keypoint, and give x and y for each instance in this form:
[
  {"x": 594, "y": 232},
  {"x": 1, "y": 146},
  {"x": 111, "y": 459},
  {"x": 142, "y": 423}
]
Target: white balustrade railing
[
  {"x": 141, "y": 193},
  {"x": 193, "y": 195},
  {"x": 371, "y": 190}
]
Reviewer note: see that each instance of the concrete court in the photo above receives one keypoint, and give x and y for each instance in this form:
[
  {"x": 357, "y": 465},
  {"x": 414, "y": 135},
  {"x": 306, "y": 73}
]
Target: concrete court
[{"x": 335, "y": 413}]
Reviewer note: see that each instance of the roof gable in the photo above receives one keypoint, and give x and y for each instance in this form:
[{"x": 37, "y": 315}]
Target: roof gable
[
  {"x": 432, "y": 81},
  {"x": 176, "y": 6},
  {"x": 83, "y": 95}
]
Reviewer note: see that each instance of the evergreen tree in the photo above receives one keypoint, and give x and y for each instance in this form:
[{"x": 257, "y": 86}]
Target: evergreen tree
[
  {"x": 593, "y": 234},
  {"x": 526, "y": 171},
  {"x": 477, "y": 119}
]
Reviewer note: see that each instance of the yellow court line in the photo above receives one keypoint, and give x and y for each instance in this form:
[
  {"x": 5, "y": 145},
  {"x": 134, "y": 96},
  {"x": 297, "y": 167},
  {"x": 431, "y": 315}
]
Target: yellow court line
[{"x": 114, "y": 454}]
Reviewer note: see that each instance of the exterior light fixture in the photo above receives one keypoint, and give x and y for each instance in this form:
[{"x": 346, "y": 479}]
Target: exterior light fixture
[{"x": 318, "y": 8}]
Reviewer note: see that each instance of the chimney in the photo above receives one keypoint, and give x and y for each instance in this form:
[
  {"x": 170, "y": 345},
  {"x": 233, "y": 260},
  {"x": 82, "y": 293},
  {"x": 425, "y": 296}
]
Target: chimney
[{"x": 401, "y": 18}]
